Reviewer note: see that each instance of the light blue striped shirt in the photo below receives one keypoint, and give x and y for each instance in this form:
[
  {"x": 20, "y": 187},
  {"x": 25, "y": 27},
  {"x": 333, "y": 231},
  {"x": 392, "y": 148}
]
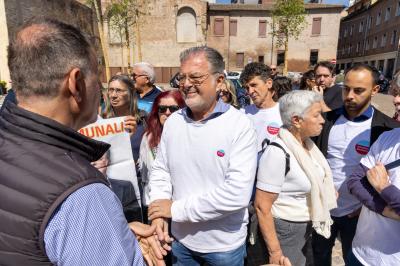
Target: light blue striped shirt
[{"x": 89, "y": 228}]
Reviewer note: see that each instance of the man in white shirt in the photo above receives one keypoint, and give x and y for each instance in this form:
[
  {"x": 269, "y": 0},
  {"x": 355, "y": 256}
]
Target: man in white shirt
[
  {"x": 346, "y": 137},
  {"x": 377, "y": 239},
  {"x": 204, "y": 171},
  {"x": 256, "y": 78}
]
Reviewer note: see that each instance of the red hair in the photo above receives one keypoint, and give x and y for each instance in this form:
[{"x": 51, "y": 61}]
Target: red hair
[{"x": 154, "y": 127}]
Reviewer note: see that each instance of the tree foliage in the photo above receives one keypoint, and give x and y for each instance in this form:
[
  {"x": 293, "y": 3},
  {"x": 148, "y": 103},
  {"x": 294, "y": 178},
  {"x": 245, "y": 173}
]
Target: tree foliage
[{"x": 290, "y": 18}]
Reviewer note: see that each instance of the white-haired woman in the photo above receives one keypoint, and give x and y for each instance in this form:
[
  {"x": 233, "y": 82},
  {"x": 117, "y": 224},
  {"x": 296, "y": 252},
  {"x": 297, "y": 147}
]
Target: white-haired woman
[{"x": 294, "y": 183}]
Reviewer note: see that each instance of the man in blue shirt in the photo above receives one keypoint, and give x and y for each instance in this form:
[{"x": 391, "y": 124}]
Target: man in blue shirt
[{"x": 56, "y": 208}]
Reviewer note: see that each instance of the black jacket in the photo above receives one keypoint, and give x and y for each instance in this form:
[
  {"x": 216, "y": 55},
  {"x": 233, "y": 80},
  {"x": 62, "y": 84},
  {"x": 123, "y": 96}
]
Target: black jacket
[
  {"x": 380, "y": 123},
  {"x": 42, "y": 162}
]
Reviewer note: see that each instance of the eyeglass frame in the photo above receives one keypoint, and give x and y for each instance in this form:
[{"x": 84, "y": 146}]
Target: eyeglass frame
[
  {"x": 202, "y": 78},
  {"x": 134, "y": 76}
]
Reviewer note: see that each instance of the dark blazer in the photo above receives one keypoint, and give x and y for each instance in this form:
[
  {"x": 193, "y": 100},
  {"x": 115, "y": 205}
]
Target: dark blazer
[{"x": 380, "y": 123}]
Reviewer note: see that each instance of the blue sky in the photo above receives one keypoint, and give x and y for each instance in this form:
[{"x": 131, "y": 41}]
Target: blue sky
[{"x": 343, "y": 2}]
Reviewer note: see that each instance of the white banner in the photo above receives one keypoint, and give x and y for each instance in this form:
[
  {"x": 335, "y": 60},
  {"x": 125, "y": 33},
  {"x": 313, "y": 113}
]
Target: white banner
[{"x": 121, "y": 164}]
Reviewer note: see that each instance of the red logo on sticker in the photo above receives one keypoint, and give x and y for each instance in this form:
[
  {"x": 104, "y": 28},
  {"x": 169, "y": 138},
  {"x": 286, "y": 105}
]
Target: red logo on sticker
[
  {"x": 221, "y": 153},
  {"x": 273, "y": 128},
  {"x": 362, "y": 147}
]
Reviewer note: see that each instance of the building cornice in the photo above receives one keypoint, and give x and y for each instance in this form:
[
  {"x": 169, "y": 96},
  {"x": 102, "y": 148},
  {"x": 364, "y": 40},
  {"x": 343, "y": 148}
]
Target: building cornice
[{"x": 268, "y": 7}]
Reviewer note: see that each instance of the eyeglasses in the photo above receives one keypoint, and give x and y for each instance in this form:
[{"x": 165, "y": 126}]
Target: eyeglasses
[
  {"x": 194, "y": 79},
  {"x": 117, "y": 91},
  {"x": 163, "y": 108},
  {"x": 273, "y": 68},
  {"x": 134, "y": 76},
  {"x": 223, "y": 93}
]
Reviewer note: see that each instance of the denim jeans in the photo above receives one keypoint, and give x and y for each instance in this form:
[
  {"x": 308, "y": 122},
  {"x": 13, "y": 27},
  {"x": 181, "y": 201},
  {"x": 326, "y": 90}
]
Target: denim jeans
[
  {"x": 322, "y": 247},
  {"x": 182, "y": 256}
]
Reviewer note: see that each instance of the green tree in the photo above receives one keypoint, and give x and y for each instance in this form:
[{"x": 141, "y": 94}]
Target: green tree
[
  {"x": 124, "y": 15},
  {"x": 119, "y": 19},
  {"x": 97, "y": 8},
  {"x": 289, "y": 19}
]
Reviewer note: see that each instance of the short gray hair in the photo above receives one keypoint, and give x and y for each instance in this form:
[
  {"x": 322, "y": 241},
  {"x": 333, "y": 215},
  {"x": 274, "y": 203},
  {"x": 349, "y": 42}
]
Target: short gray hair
[
  {"x": 296, "y": 103},
  {"x": 214, "y": 58},
  {"x": 147, "y": 69},
  {"x": 43, "y": 52}
]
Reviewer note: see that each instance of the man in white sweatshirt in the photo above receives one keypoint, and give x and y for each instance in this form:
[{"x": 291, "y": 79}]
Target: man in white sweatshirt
[{"x": 203, "y": 175}]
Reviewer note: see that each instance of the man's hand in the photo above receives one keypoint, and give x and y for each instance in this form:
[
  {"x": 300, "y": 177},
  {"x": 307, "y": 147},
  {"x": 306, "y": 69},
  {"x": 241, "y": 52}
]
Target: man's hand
[
  {"x": 378, "y": 177},
  {"x": 151, "y": 247},
  {"x": 160, "y": 209},
  {"x": 130, "y": 124},
  {"x": 161, "y": 227}
]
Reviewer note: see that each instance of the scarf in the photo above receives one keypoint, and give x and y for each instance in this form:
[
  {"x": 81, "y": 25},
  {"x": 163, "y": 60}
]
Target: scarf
[{"x": 323, "y": 194}]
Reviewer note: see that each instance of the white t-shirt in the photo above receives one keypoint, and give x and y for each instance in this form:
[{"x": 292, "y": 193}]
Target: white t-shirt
[
  {"x": 348, "y": 142},
  {"x": 293, "y": 202},
  {"x": 377, "y": 239},
  {"x": 267, "y": 122}
]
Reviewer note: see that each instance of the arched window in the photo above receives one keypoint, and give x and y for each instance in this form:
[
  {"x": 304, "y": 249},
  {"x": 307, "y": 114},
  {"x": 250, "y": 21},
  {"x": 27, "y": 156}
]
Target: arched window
[{"x": 186, "y": 25}]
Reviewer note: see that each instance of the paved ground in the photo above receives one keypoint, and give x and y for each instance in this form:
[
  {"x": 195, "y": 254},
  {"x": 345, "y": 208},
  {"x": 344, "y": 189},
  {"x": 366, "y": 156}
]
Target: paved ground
[{"x": 383, "y": 102}]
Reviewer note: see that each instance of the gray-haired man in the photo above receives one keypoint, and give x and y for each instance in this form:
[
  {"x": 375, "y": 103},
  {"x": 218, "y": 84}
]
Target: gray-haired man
[
  {"x": 144, "y": 76},
  {"x": 204, "y": 171}
]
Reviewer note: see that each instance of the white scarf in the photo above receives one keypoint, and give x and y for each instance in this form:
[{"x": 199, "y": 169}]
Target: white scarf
[{"x": 323, "y": 194}]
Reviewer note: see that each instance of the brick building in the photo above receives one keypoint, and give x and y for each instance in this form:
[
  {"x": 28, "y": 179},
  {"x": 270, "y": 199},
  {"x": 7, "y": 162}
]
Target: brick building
[{"x": 370, "y": 34}]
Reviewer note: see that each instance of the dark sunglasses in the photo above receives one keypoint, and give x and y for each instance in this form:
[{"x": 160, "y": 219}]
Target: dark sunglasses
[
  {"x": 163, "y": 108},
  {"x": 223, "y": 93}
]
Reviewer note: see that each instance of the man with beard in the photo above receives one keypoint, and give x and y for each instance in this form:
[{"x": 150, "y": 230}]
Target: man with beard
[
  {"x": 347, "y": 135},
  {"x": 204, "y": 171}
]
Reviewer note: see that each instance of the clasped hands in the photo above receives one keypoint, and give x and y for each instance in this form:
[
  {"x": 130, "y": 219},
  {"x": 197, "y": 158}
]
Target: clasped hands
[{"x": 154, "y": 240}]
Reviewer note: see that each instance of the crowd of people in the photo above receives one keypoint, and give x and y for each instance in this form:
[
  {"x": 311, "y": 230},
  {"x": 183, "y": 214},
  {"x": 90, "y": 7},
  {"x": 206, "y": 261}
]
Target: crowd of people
[{"x": 305, "y": 165}]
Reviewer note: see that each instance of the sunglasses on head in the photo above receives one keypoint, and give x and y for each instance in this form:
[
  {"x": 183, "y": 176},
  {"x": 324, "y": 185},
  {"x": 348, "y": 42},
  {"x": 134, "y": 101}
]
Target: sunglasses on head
[{"x": 163, "y": 108}]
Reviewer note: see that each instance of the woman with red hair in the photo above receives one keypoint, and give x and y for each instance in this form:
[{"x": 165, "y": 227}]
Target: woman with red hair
[{"x": 164, "y": 105}]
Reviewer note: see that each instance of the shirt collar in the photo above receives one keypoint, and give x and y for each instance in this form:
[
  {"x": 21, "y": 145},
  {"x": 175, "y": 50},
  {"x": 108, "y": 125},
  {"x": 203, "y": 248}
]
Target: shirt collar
[
  {"x": 219, "y": 109},
  {"x": 153, "y": 90},
  {"x": 361, "y": 118}
]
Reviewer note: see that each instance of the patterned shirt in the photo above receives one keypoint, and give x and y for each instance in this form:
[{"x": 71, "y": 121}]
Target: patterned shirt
[{"x": 89, "y": 228}]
